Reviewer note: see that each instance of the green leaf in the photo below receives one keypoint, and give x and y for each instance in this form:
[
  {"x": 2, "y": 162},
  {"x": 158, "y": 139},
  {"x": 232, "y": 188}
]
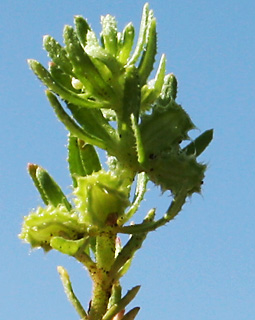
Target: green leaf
[
  {"x": 121, "y": 304},
  {"x": 142, "y": 181},
  {"x": 89, "y": 158},
  {"x": 64, "y": 276},
  {"x": 131, "y": 314},
  {"x": 94, "y": 124},
  {"x": 151, "y": 91},
  {"x": 74, "y": 159},
  {"x": 142, "y": 35},
  {"x": 132, "y": 94},
  {"x": 51, "y": 189},
  {"x": 65, "y": 94},
  {"x": 126, "y": 43},
  {"x": 109, "y": 34},
  {"x": 82, "y": 28},
  {"x": 149, "y": 52},
  {"x": 70, "y": 124},
  {"x": 62, "y": 79},
  {"x": 66, "y": 246},
  {"x": 32, "y": 171},
  {"x": 197, "y": 146},
  {"x": 82, "y": 158},
  {"x": 58, "y": 54},
  {"x": 99, "y": 53},
  {"x": 83, "y": 67}
]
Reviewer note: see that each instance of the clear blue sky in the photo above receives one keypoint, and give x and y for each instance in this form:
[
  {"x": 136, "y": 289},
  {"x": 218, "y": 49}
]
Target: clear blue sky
[{"x": 202, "y": 265}]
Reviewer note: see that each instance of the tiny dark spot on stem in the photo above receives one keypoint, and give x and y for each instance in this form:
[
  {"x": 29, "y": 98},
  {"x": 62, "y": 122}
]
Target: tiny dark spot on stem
[{"x": 152, "y": 156}]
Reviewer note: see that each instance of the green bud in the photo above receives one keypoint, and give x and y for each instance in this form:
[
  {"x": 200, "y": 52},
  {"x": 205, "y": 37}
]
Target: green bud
[
  {"x": 77, "y": 84},
  {"x": 41, "y": 225},
  {"x": 94, "y": 124},
  {"x": 100, "y": 198},
  {"x": 164, "y": 129},
  {"x": 174, "y": 170},
  {"x": 169, "y": 90}
]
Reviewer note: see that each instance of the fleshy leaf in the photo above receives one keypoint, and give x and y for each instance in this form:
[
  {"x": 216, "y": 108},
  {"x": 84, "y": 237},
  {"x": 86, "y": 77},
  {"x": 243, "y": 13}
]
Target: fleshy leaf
[
  {"x": 197, "y": 146},
  {"x": 82, "y": 28},
  {"x": 67, "y": 246},
  {"x": 58, "y": 54},
  {"x": 84, "y": 69},
  {"x": 74, "y": 159},
  {"x": 51, "y": 189},
  {"x": 149, "y": 52},
  {"x": 109, "y": 34},
  {"x": 126, "y": 43}
]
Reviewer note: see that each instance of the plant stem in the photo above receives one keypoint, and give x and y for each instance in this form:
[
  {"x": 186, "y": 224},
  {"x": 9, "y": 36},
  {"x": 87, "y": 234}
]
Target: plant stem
[
  {"x": 102, "y": 282},
  {"x": 174, "y": 208}
]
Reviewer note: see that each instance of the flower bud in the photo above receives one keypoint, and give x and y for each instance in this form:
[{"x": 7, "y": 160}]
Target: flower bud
[
  {"x": 164, "y": 129},
  {"x": 42, "y": 225},
  {"x": 101, "y": 198}
]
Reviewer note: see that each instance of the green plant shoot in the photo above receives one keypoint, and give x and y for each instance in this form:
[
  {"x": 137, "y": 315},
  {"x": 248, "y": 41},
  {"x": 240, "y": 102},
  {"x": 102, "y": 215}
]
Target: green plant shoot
[{"x": 102, "y": 92}]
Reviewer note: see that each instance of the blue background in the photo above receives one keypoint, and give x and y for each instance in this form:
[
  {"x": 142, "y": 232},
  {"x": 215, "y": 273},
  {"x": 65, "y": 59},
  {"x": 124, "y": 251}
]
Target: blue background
[{"x": 201, "y": 266}]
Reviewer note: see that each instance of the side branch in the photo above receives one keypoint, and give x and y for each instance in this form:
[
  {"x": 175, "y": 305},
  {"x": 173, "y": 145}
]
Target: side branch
[{"x": 173, "y": 210}]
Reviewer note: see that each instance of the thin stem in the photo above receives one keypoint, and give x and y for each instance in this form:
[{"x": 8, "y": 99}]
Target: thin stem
[
  {"x": 134, "y": 243},
  {"x": 85, "y": 259},
  {"x": 173, "y": 210},
  {"x": 142, "y": 180}
]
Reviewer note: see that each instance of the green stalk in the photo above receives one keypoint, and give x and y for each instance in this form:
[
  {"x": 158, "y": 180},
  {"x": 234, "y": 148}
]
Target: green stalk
[
  {"x": 102, "y": 286},
  {"x": 172, "y": 212},
  {"x": 103, "y": 97}
]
